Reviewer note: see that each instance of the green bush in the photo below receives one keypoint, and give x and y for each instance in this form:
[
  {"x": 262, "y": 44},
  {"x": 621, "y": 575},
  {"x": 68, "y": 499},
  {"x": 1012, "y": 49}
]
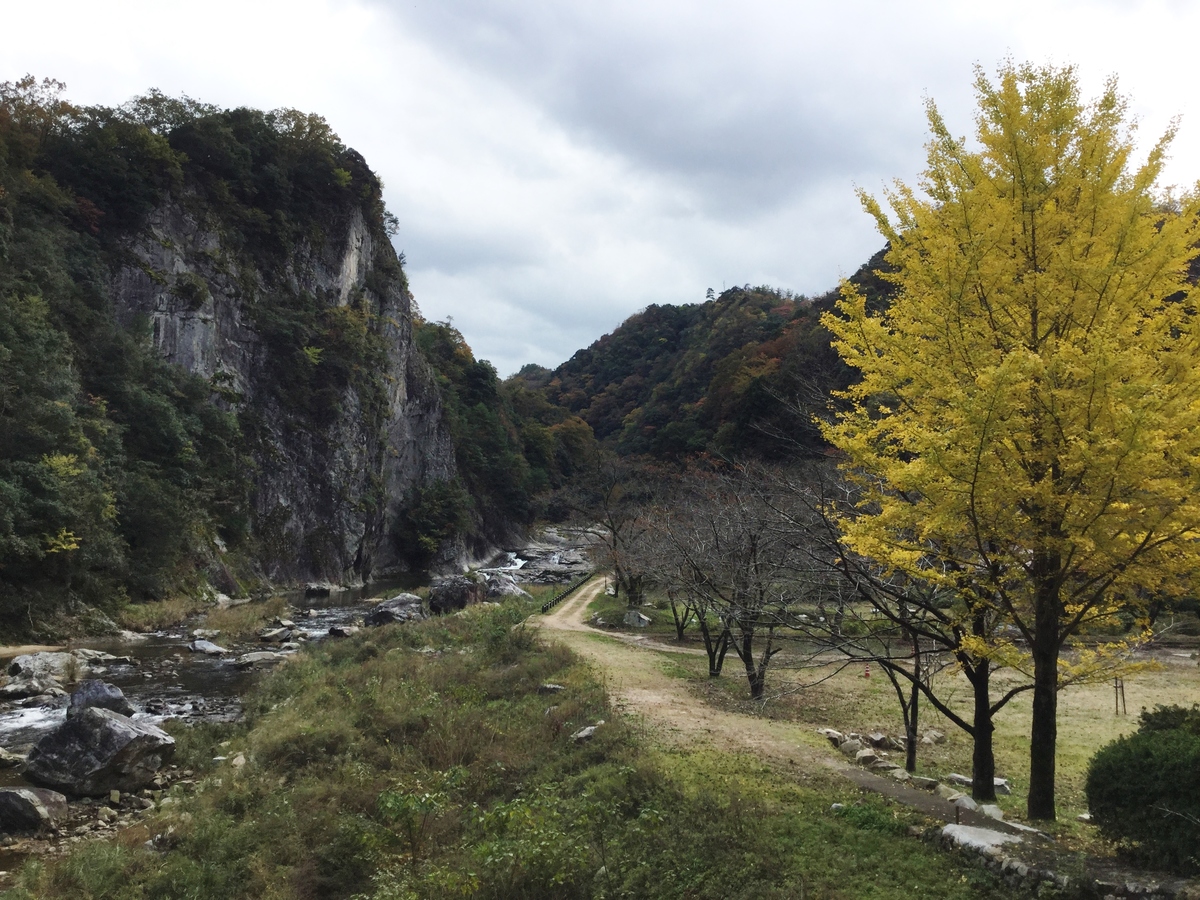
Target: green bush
[{"x": 1144, "y": 790}]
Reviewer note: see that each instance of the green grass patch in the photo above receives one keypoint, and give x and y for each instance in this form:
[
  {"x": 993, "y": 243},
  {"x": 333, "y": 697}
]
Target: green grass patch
[{"x": 422, "y": 761}]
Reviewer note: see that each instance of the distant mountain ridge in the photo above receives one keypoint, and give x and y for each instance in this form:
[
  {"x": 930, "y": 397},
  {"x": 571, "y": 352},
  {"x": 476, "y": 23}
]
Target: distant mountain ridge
[{"x": 723, "y": 376}]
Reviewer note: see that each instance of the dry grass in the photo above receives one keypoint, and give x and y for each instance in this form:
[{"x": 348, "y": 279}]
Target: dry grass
[
  {"x": 159, "y": 614},
  {"x": 242, "y": 621},
  {"x": 848, "y": 701}
]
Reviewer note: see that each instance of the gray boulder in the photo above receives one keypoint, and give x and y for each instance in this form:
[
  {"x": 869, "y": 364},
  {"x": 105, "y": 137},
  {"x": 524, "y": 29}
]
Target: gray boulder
[
  {"x": 835, "y": 737},
  {"x": 47, "y": 666},
  {"x": 208, "y": 648},
  {"x": 866, "y": 756},
  {"x": 454, "y": 594},
  {"x": 20, "y": 688},
  {"x": 100, "y": 694},
  {"x": 259, "y": 658},
  {"x": 30, "y": 809},
  {"x": 10, "y": 760},
  {"x": 99, "y": 751},
  {"x": 401, "y": 608},
  {"x": 501, "y": 585},
  {"x": 850, "y": 746}
]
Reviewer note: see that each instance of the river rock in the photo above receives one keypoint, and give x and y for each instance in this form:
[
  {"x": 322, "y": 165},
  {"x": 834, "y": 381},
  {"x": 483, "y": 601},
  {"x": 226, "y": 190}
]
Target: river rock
[
  {"x": 454, "y": 594},
  {"x": 10, "y": 760},
  {"x": 99, "y": 751},
  {"x": 98, "y": 693},
  {"x": 20, "y": 688},
  {"x": 275, "y": 635},
  {"x": 342, "y": 630},
  {"x": 30, "y": 809},
  {"x": 501, "y": 584},
  {"x": 401, "y": 608},
  {"x": 47, "y": 666},
  {"x": 259, "y": 658},
  {"x": 88, "y": 655},
  {"x": 208, "y": 648}
]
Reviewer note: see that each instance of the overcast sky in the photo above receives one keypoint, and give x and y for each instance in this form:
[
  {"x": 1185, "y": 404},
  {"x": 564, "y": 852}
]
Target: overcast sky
[{"x": 556, "y": 166}]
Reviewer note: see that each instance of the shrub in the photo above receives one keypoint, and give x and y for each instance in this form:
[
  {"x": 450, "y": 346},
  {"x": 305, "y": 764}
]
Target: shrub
[{"x": 1144, "y": 790}]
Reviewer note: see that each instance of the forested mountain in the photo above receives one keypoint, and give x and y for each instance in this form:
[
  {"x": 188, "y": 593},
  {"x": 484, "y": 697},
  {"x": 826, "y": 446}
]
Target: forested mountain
[
  {"x": 735, "y": 375},
  {"x": 511, "y": 445},
  {"x": 206, "y": 364},
  {"x": 211, "y": 371}
]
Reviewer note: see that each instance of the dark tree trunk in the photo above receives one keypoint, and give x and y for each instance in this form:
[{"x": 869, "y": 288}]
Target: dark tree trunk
[
  {"x": 1043, "y": 732},
  {"x": 912, "y": 713},
  {"x": 983, "y": 759},
  {"x": 715, "y": 648},
  {"x": 681, "y": 619},
  {"x": 745, "y": 651},
  {"x": 910, "y": 732}
]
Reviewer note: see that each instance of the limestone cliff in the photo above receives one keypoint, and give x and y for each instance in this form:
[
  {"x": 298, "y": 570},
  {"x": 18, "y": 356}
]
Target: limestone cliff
[{"x": 336, "y": 449}]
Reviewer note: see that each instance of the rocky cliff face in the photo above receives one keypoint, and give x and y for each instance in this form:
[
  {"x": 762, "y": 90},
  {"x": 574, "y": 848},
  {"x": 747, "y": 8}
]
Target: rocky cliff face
[{"x": 331, "y": 473}]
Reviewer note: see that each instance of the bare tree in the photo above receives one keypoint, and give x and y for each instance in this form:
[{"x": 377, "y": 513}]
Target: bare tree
[
  {"x": 725, "y": 552},
  {"x": 614, "y": 500}
]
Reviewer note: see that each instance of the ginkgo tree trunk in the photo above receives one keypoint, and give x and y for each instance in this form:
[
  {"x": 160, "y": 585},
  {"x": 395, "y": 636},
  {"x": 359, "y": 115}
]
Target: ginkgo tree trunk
[{"x": 1026, "y": 428}]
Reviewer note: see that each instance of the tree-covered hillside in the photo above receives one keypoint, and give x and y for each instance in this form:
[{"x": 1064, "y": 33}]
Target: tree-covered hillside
[
  {"x": 511, "y": 444},
  {"x": 123, "y": 476},
  {"x": 733, "y": 375}
]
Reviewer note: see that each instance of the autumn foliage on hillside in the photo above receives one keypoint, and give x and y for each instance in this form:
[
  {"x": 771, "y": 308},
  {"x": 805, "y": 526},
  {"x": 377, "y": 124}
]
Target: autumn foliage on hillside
[{"x": 737, "y": 375}]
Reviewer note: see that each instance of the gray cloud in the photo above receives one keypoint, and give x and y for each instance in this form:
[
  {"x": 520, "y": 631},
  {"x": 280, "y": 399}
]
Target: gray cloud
[{"x": 557, "y": 166}]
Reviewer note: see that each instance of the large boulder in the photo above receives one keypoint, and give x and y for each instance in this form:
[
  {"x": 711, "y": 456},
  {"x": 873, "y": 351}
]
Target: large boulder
[
  {"x": 20, "y": 688},
  {"x": 454, "y": 594},
  {"x": 29, "y": 809},
  {"x": 91, "y": 693},
  {"x": 401, "y": 608},
  {"x": 208, "y": 648},
  {"x": 501, "y": 584},
  {"x": 47, "y": 666},
  {"x": 99, "y": 751},
  {"x": 259, "y": 658}
]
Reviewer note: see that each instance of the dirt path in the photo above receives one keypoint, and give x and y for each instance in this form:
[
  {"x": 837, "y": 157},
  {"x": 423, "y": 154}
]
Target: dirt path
[{"x": 634, "y": 672}]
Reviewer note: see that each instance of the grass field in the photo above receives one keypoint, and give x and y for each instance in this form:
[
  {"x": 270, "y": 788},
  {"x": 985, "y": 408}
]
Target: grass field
[
  {"x": 842, "y": 698},
  {"x": 426, "y": 761}
]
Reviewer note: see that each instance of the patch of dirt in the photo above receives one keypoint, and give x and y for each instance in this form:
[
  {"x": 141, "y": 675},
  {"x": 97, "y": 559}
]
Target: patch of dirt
[{"x": 632, "y": 669}]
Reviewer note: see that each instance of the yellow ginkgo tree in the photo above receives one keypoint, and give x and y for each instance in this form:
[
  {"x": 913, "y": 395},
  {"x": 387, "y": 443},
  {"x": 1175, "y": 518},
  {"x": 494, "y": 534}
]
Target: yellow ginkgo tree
[{"x": 1026, "y": 428}]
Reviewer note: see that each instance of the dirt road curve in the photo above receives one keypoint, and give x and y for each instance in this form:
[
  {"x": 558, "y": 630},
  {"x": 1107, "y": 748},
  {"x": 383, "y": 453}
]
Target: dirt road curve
[{"x": 633, "y": 671}]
